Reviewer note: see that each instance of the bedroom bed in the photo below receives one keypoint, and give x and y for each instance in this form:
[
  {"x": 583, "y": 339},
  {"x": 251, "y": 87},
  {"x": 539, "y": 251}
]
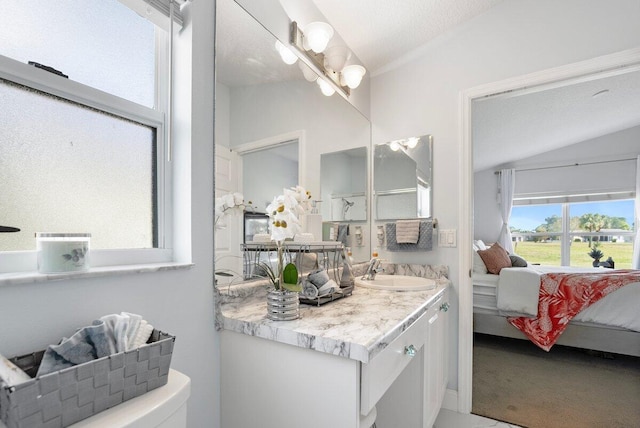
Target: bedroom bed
[{"x": 612, "y": 324}]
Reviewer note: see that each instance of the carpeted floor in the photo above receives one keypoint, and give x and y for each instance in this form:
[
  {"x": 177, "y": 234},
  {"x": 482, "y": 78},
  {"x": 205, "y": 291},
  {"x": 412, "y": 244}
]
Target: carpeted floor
[{"x": 516, "y": 382}]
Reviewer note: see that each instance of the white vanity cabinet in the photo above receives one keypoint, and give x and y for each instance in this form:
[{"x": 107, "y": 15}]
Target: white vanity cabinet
[
  {"x": 436, "y": 368},
  {"x": 414, "y": 399},
  {"x": 271, "y": 384}
]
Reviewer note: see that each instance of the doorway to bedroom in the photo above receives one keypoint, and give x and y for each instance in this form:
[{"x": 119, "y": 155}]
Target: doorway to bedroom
[{"x": 591, "y": 180}]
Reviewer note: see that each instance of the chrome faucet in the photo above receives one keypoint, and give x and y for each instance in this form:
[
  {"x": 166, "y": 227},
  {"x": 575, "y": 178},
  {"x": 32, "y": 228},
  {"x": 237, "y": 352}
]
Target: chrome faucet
[{"x": 372, "y": 269}]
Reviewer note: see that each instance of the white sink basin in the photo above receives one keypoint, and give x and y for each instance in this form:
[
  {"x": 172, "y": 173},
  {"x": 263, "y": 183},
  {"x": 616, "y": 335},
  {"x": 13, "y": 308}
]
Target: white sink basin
[{"x": 397, "y": 283}]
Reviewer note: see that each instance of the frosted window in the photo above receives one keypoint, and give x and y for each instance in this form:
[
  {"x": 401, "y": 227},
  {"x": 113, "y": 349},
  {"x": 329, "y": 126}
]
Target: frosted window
[
  {"x": 68, "y": 168},
  {"x": 100, "y": 43}
]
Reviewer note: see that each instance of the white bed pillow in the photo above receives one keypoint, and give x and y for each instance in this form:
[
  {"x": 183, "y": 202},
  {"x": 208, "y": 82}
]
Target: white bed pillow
[
  {"x": 480, "y": 244},
  {"x": 478, "y": 264}
]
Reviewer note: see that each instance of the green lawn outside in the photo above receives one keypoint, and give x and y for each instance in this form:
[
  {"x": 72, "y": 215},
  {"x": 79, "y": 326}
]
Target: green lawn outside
[{"x": 548, "y": 253}]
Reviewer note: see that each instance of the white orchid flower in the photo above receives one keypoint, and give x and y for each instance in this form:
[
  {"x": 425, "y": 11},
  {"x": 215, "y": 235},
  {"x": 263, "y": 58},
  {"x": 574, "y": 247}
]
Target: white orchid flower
[
  {"x": 283, "y": 211},
  {"x": 226, "y": 204},
  {"x": 228, "y": 201},
  {"x": 304, "y": 198},
  {"x": 238, "y": 199}
]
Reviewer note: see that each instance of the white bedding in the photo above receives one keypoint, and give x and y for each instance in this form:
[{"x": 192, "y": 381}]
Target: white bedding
[{"x": 518, "y": 291}]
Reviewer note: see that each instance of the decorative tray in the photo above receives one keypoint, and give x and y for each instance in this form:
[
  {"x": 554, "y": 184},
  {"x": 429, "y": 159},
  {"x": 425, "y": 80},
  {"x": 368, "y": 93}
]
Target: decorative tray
[{"x": 321, "y": 300}]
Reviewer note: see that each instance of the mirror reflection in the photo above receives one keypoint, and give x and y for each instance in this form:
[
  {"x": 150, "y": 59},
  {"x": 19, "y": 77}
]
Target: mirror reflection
[
  {"x": 344, "y": 185},
  {"x": 402, "y": 178},
  {"x": 262, "y": 103},
  {"x": 282, "y": 170}
]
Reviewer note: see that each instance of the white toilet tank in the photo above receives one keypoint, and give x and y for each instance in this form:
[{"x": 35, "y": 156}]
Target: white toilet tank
[{"x": 164, "y": 407}]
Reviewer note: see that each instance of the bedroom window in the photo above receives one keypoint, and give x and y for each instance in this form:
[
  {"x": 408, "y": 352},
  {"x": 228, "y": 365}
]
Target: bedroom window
[
  {"x": 83, "y": 137},
  {"x": 564, "y": 234}
]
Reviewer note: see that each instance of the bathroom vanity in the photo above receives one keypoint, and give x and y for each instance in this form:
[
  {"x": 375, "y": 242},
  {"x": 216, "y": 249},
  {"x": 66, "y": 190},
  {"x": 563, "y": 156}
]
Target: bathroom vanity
[{"x": 333, "y": 365}]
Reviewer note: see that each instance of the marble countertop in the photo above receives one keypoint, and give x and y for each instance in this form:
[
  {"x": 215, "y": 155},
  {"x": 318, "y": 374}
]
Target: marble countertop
[{"x": 357, "y": 327}]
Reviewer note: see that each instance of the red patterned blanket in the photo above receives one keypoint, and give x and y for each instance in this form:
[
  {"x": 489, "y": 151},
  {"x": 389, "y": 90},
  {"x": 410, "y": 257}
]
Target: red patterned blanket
[{"x": 562, "y": 296}]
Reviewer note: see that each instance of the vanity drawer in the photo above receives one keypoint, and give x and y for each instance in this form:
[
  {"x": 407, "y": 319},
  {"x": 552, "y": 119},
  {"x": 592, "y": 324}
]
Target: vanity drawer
[{"x": 384, "y": 368}]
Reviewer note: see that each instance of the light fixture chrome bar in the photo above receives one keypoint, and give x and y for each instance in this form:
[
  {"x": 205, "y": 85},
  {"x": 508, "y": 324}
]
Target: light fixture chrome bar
[{"x": 316, "y": 61}]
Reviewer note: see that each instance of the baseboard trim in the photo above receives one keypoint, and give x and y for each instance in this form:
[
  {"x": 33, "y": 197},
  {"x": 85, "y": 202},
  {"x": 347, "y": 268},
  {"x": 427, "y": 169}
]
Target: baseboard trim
[{"x": 450, "y": 400}]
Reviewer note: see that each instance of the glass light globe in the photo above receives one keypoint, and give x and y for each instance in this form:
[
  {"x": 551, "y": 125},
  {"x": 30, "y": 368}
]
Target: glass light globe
[
  {"x": 335, "y": 57},
  {"x": 352, "y": 75},
  {"x": 307, "y": 72},
  {"x": 394, "y": 145},
  {"x": 317, "y": 36},
  {"x": 412, "y": 142},
  {"x": 285, "y": 53},
  {"x": 325, "y": 87}
]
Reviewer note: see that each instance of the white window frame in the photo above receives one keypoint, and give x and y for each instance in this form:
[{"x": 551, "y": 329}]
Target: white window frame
[
  {"x": 566, "y": 236},
  {"x": 32, "y": 77}
]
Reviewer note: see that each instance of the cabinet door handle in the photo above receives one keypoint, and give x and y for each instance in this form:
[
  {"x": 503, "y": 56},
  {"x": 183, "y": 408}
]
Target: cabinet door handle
[
  {"x": 444, "y": 307},
  {"x": 410, "y": 350}
]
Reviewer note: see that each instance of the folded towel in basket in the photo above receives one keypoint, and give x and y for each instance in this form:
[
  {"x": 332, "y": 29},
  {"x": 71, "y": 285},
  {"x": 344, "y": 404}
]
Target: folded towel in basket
[
  {"x": 10, "y": 374},
  {"x": 142, "y": 335},
  {"x": 318, "y": 277},
  {"x": 407, "y": 231},
  {"x": 328, "y": 288},
  {"x": 105, "y": 336},
  {"x": 309, "y": 290}
]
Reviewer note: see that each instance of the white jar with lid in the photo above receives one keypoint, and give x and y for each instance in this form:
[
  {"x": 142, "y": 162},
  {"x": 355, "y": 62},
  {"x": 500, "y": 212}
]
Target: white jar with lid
[{"x": 63, "y": 252}]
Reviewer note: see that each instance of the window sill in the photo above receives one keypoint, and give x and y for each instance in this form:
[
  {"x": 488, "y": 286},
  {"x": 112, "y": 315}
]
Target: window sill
[{"x": 35, "y": 277}]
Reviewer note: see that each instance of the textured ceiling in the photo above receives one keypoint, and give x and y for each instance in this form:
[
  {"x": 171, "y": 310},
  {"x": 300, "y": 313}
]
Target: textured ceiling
[
  {"x": 245, "y": 50},
  {"x": 524, "y": 124},
  {"x": 379, "y": 32},
  {"x": 382, "y": 31}
]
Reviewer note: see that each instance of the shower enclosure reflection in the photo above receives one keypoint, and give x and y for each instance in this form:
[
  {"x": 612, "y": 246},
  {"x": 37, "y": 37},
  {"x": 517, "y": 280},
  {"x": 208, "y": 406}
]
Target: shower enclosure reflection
[{"x": 343, "y": 185}]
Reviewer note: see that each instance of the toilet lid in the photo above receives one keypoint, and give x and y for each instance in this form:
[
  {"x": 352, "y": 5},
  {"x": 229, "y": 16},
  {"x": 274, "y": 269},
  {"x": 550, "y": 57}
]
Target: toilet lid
[{"x": 146, "y": 410}]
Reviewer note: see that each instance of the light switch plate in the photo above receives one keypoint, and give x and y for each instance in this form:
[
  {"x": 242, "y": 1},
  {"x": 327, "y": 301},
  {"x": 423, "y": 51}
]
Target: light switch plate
[{"x": 447, "y": 238}]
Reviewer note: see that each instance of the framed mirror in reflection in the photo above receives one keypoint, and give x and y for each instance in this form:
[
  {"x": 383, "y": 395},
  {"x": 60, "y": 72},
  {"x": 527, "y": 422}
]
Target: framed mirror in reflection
[
  {"x": 263, "y": 102},
  {"x": 402, "y": 178},
  {"x": 343, "y": 185}
]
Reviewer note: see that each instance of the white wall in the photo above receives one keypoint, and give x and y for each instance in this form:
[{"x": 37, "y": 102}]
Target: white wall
[
  {"x": 265, "y": 175},
  {"x": 422, "y": 95},
  {"x": 329, "y": 124},
  {"x": 609, "y": 177},
  {"x": 180, "y": 302}
]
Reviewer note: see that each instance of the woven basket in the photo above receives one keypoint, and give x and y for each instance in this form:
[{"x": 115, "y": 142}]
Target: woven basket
[{"x": 67, "y": 396}]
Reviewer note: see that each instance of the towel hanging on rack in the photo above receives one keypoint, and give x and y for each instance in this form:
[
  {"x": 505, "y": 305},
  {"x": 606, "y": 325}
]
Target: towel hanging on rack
[{"x": 407, "y": 231}]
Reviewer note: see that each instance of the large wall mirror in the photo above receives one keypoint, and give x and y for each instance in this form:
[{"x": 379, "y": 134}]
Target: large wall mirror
[
  {"x": 403, "y": 178},
  {"x": 262, "y": 103}
]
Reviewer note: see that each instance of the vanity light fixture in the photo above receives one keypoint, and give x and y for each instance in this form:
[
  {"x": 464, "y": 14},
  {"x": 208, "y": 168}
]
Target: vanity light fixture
[
  {"x": 352, "y": 75},
  {"x": 287, "y": 56},
  {"x": 329, "y": 63},
  {"x": 336, "y": 57},
  {"x": 317, "y": 36},
  {"x": 409, "y": 143},
  {"x": 307, "y": 72},
  {"x": 325, "y": 87},
  {"x": 412, "y": 142}
]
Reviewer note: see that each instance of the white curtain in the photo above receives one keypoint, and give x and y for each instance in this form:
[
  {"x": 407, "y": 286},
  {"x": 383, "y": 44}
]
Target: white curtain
[
  {"x": 507, "y": 187},
  {"x": 635, "y": 261}
]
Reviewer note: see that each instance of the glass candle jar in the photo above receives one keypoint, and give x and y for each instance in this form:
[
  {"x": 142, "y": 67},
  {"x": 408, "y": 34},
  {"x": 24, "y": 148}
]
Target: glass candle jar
[{"x": 63, "y": 252}]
